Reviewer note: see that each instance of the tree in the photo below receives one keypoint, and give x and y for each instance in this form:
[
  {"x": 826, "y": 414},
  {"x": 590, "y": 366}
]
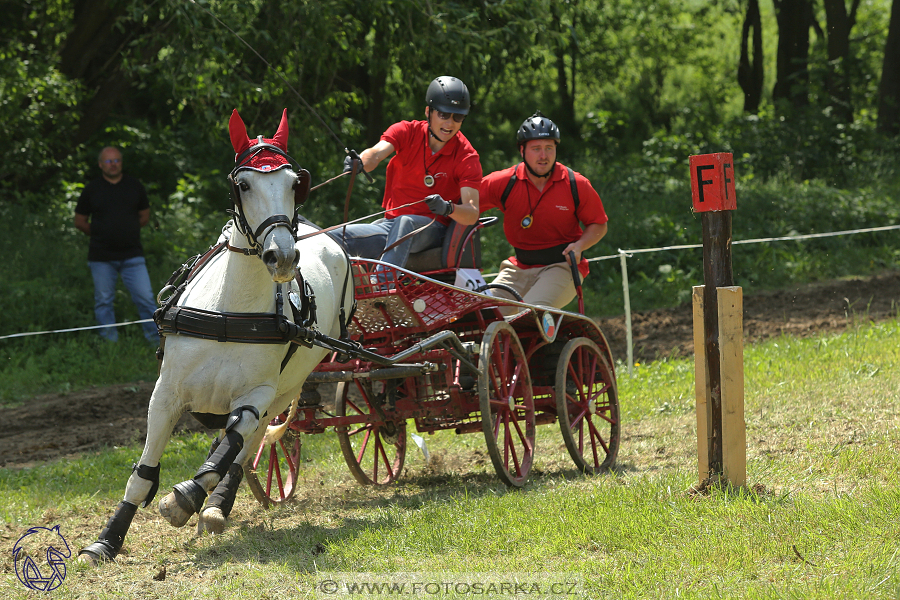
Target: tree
[
  {"x": 103, "y": 38},
  {"x": 889, "y": 90},
  {"x": 792, "y": 59},
  {"x": 750, "y": 72},
  {"x": 566, "y": 79},
  {"x": 839, "y": 24}
]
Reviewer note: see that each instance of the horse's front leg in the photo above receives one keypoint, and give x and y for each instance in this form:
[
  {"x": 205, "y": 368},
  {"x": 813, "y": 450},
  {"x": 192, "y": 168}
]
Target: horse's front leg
[
  {"x": 143, "y": 482},
  {"x": 189, "y": 496}
]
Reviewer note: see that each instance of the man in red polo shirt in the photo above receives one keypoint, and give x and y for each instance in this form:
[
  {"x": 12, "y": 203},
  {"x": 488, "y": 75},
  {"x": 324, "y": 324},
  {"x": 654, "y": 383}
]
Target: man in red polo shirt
[
  {"x": 543, "y": 203},
  {"x": 435, "y": 167}
]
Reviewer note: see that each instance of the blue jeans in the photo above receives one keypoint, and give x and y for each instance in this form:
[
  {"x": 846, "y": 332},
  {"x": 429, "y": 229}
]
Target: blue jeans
[
  {"x": 137, "y": 281},
  {"x": 368, "y": 240}
]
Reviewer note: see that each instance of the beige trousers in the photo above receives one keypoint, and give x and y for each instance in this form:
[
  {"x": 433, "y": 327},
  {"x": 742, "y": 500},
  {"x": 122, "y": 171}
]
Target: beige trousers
[{"x": 545, "y": 286}]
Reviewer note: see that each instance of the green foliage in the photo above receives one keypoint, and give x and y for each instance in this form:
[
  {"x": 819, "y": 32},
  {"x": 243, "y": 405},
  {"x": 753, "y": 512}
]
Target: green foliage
[
  {"x": 38, "y": 105},
  {"x": 651, "y": 83},
  {"x": 654, "y": 214}
]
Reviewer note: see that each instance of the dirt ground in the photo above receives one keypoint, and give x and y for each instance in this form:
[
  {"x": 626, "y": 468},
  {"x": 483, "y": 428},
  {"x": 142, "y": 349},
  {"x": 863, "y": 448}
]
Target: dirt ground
[{"x": 54, "y": 426}]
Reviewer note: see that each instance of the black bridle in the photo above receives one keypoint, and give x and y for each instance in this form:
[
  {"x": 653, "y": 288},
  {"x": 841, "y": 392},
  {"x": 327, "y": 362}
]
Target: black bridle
[{"x": 301, "y": 188}]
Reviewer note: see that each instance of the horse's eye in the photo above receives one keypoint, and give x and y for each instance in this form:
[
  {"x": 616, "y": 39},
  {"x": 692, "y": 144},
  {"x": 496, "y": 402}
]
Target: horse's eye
[{"x": 244, "y": 186}]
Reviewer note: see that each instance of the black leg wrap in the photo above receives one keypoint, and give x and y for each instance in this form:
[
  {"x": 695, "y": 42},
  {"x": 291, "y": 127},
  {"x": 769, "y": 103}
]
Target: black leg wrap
[
  {"x": 190, "y": 496},
  {"x": 150, "y": 474},
  {"x": 225, "y": 493},
  {"x": 113, "y": 535},
  {"x": 237, "y": 414},
  {"x": 223, "y": 456},
  {"x": 213, "y": 447}
]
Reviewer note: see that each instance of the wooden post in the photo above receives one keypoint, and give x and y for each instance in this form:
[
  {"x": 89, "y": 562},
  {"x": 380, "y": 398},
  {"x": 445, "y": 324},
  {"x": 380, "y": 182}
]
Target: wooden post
[
  {"x": 716, "y": 273},
  {"x": 701, "y": 386},
  {"x": 731, "y": 359},
  {"x": 712, "y": 184}
]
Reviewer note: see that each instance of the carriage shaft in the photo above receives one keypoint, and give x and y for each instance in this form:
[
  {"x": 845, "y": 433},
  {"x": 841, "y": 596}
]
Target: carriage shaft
[{"x": 397, "y": 372}]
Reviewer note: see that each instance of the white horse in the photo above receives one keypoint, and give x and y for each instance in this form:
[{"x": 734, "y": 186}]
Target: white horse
[{"x": 242, "y": 381}]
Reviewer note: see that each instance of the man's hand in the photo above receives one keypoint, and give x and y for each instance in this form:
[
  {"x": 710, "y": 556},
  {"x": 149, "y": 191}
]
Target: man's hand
[
  {"x": 348, "y": 164},
  {"x": 438, "y": 205},
  {"x": 573, "y": 247}
]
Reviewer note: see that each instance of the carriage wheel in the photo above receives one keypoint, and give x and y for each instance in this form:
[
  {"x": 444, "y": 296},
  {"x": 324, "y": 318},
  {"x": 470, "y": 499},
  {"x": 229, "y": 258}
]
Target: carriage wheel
[
  {"x": 375, "y": 452},
  {"x": 272, "y": 474},
  {"x": 587, "y": 404},
  {"x": 507, "y": 403}
]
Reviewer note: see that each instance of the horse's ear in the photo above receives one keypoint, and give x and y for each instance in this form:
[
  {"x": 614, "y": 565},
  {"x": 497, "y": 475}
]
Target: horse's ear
[
  {"x": 281, "y": 136},
  {"x": 238, "y": 132}
]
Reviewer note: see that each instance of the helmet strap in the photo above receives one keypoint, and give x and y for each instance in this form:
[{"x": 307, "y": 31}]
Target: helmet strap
[
  {"x": 530, "y": 170},
  {"x": 431, "y": 131}
]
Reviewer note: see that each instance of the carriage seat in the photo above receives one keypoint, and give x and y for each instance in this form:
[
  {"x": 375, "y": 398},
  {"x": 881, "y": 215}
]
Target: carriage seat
[{"x": 461, "y": 249}]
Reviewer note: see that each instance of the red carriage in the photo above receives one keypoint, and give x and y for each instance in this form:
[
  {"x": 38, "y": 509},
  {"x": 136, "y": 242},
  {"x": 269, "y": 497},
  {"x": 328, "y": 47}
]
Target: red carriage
[{"x": 438, "y": 357}]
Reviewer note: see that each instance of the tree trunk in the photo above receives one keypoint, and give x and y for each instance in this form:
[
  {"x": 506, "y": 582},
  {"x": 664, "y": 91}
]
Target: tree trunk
[
  {"x": 91, "y": 31},
  {"x": 839, "y": 24},
  {"x": 93, "y": 52},
  {"x": 792, "y": 74},
  {"x": 376, "y": 80},
  {"x": 889, "y": 89},
  {"x": 565, "y": 82},
  {"x": 750, "y": 73}
]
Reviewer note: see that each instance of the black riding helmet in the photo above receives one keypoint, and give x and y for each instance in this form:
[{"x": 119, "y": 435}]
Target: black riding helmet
[
  {"x": 537, "y": 127},
  {"x": 448, "y": 94}
]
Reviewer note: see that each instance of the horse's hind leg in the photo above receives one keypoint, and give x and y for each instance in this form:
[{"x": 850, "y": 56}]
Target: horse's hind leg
[
  {"x": 214, "y": 516},
  {"x": 189, "y": 496}
]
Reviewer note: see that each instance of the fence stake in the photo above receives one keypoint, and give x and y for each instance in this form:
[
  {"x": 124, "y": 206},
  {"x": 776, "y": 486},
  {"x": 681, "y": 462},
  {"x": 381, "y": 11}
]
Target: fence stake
[{"x": 628, "y": 332}]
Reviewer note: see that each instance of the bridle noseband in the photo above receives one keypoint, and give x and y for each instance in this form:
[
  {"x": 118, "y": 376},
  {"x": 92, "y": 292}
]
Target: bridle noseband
[{"x": 301, "y": 192}]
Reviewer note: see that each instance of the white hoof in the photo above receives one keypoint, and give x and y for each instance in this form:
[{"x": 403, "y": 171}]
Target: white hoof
[
  {"x": 211, "y": 521},
  {"x": 173, "y": 512}
]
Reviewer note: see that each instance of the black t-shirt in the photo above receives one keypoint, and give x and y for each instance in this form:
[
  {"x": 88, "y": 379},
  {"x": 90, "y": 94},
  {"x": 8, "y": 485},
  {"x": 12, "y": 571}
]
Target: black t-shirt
[{"x": 115, "y": 223}]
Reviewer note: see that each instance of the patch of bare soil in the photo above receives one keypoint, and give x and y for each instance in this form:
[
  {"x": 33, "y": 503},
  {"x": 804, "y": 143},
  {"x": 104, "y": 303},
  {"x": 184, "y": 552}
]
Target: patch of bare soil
[
  {"x": 53, "y": 426},
  {"x": 800, "y": 311}
]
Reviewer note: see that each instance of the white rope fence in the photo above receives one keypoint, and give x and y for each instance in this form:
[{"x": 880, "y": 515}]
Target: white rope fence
[
  {"x": 622, "y": 256},
  {"x": 29, "y": 333}
]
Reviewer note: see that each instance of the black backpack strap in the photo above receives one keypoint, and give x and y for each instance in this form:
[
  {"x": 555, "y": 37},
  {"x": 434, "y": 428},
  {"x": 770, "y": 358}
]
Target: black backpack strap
[
  {"x": 573, "y": 186},
  {"x": 512, "y": 182},
  {"x": 509, "y": 187}
]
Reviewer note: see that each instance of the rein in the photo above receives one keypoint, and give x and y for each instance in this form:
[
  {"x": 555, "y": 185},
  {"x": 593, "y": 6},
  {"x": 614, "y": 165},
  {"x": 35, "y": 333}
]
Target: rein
[{"x": 339, "y": 225}]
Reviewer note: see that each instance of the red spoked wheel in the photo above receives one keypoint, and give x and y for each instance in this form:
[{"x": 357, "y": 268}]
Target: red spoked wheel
[
  {"x": 587, "y": 404},
  {"x": 507, "y": 404},
  {"x": 272, "y": 473},
  {"x": 373, "y": 450}
]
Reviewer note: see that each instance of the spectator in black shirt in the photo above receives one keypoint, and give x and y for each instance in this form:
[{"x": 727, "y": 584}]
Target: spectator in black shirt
[{"x": 111, "y": 211}]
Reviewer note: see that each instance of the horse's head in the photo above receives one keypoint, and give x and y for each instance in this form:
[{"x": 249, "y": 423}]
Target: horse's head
[{"x": 266, "y": 189}]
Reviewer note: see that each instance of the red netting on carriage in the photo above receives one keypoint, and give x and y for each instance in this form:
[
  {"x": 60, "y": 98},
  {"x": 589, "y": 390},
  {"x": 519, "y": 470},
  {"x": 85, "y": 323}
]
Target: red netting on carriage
[{"x": 390, "y": 298}]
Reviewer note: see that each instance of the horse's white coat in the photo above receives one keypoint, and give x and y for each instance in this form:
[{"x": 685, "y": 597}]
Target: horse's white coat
[{"x": 207, "y": 376}]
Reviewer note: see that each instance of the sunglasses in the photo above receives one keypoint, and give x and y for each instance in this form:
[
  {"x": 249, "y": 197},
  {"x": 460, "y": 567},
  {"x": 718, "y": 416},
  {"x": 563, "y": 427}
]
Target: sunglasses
[
  {"x": 456, "y": 117},
  {"x": 112, "y": 161}
]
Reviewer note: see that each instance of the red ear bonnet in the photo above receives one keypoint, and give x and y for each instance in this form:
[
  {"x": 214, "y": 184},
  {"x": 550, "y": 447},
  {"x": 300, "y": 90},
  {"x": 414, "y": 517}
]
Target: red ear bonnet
[{"x": 265, "y": 160}]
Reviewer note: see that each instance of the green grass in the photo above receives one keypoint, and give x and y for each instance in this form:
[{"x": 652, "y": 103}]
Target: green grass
[
  {"x": 820, "y": 517},
  {"x": 72, "y": 362}
]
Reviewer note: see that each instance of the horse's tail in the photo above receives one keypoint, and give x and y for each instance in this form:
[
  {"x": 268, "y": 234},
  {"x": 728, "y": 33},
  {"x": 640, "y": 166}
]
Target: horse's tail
[{"x": 274, "y": 432}]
